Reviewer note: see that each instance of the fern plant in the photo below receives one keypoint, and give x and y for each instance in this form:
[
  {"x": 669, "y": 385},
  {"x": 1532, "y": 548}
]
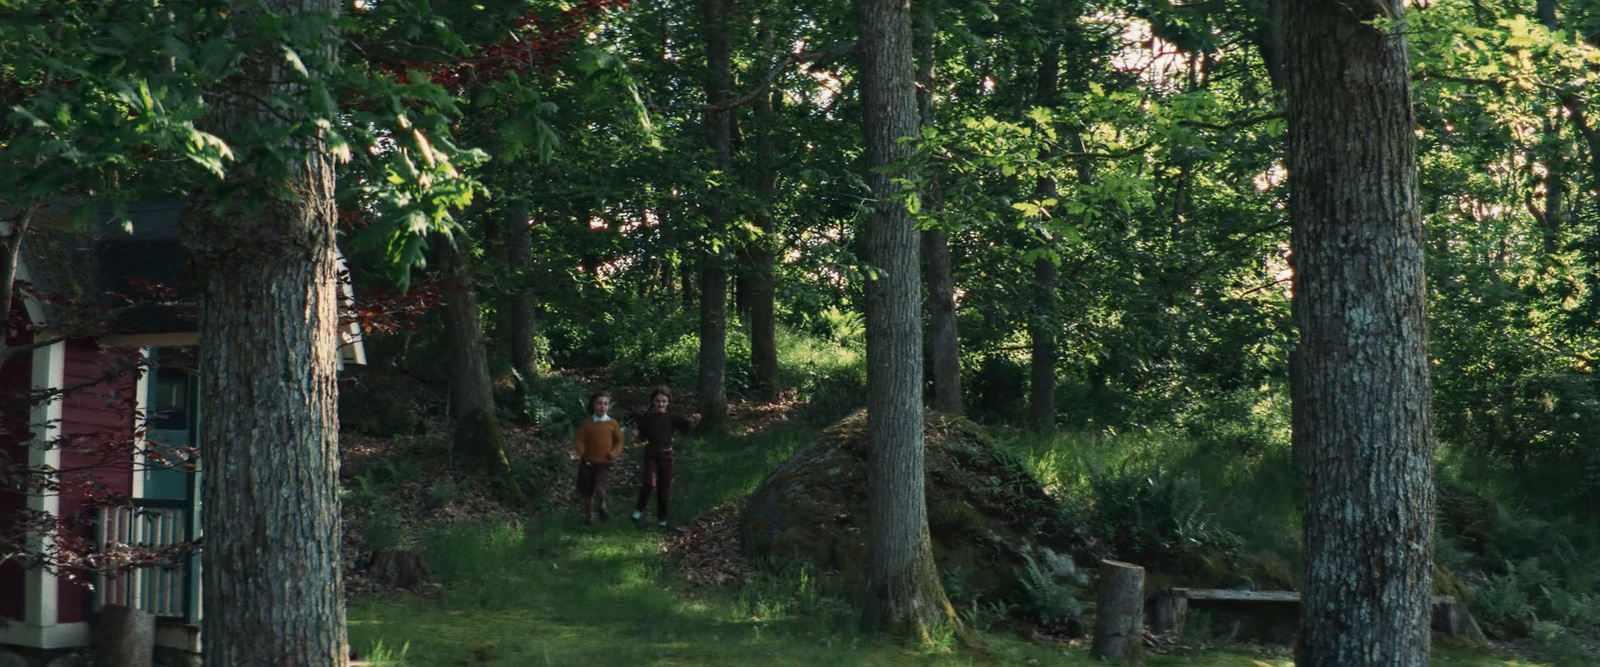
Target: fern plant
[{"x": 1048, "y": 596}]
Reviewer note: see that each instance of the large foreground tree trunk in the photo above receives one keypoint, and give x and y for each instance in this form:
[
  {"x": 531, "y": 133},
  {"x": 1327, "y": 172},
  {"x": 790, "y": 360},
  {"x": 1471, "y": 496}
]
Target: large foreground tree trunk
[
  {"x": 713, "y": 269},
  {"x": 1363, "y": 420},
  {"x": 944, "y": 343},
  {"x": 273, "y": 593},
  {"x": 903, "y": 594}
]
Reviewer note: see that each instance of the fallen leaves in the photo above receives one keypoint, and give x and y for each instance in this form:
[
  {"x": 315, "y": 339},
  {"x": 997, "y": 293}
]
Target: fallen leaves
[{"x": 708, "y": 551}]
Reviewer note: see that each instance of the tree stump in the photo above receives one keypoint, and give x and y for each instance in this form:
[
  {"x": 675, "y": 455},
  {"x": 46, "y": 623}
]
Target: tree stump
[
  {"x": 124, "y": 636},
  {"x": 1168, "y": 615},
  {"x": 402, "y": 568},
  {"x": 1119, "y": 616},
  {"x": 13, "y": 659},
  {"x": 1451, "y": 619}
]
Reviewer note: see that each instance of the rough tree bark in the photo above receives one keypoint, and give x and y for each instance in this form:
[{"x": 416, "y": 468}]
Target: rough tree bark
[
  {"x": 12, "y": 232},
  {"x": 1119, "y": 614},
  {"x": 1363, "y": 418},
  {"x": 477, "y": 428},
  {"x": 520, "y": 311},
  {"x": 1042, "y": 318},
  {"x": 273, "y": 591},
  {"x": 904, "y": 595},
  {"x": 713, "y": 268},
  {"x": 762, "y": 294},
  {"x": 944, "y": 343}
]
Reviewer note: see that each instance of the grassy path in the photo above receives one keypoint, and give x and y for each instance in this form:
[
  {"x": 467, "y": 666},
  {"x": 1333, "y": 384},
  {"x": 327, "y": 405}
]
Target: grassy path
[{"x": 552, "y": 592}]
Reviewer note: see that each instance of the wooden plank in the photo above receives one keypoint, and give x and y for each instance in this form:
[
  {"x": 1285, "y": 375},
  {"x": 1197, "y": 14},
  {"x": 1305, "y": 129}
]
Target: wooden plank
[
  {"x": 1269, "y": 597},
  {"x": 1231, "y": 595}
]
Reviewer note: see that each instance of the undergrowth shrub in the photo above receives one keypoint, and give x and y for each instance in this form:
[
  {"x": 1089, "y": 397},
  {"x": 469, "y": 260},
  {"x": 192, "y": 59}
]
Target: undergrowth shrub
[
  {"x": 1150, "y": 508},
  {"x": 1054, "y": 592},
  {"x": 381, "y": 655},
  {"x": 557, "y": 403}
]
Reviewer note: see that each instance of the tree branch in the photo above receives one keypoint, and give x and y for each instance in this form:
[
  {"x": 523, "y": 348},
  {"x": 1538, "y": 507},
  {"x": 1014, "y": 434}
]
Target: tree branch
[
  {"x": 1242, "y": 122},
  {"x": 1498, "y": 84},
  {"x": 828, "y": 53},
  {"x": 1118, "y": 155}
]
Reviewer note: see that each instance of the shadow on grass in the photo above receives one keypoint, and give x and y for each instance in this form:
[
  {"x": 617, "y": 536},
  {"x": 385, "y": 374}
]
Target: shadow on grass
[{"x": 552, "y": 592}]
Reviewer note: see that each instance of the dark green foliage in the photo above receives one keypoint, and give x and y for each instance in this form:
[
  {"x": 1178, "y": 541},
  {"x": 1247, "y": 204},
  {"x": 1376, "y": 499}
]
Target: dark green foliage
[
  {"x": 1150, "y": 509},
  {"x": 556, "y": 404},
  {"x": 1051, "y": 596}
]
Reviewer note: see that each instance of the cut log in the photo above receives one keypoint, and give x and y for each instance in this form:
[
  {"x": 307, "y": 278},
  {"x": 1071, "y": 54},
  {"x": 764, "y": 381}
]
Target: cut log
[
  {"x": 1451, "y": 619},
  {"x": 1119, "y": 616},
  {"x": 124, "y": 636},
  {"x": 1168, "y": 614},
  {"x": 402, "y": 568},
  {"x": 13, "y": 659},
  {"x": 1273, "y": 616}
]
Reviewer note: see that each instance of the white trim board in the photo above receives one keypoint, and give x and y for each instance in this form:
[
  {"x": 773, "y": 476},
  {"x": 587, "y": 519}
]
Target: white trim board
[
  {"x": 49, "y": 372},
  {"x": 65, "y": 635},
  {"x": 141, "y": 403}
]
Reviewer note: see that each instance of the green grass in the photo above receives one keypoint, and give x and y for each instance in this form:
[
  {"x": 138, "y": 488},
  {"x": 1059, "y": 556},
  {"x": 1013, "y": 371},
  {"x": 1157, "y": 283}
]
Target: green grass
[{"x": 551, "y": 592}]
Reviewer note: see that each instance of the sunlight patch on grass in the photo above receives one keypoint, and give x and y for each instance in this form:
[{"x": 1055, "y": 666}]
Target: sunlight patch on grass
[{"x": 548, "y": 592}]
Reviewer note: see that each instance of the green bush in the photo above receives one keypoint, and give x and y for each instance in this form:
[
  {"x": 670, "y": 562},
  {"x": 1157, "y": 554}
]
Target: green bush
[
  {"x": 1503, "y": 606},
  {"x": 557, "y": 403},
  {"x": 1051, "y": 597},
  {"x": 1149, "y": 508},
  {"x": 443, "y": 492}
]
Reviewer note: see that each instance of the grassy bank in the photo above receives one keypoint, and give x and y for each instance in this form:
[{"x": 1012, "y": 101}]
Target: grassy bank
[{"x": 549, "y": 591}]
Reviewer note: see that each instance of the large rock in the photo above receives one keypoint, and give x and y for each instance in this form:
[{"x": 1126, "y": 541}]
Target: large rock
[
  {"x": 986, "y": 512},
  {"x": 10, "y": 658}
]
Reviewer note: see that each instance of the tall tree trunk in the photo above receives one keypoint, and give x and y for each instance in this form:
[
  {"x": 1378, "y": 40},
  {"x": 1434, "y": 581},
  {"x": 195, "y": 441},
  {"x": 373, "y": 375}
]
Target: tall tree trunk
[
  {"x": 1577, "y": 107},
  {"x": 477, "y": 428},
  {"x": 1042, "y": 361},
  {"x": 1363, "y": 419},
  {"x": 273, "y": 590},
  {"x": 520, "y": 311},
  {"x": 944, "y": 342},
  {"x": 903, "y": 594},
  {"x": 11, "y": 237},
  {"x": 762, "y": 292},
  {"x": 1554, "y": 216},
  {"x": 713, "y": 269},
  {"x": 1042, "y": 320}
]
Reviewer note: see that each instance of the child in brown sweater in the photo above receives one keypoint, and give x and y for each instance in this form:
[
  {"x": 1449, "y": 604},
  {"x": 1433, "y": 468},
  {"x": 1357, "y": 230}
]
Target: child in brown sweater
[
  {"x": 655, "y": 429},
  {"x": 599, "y": 443}
]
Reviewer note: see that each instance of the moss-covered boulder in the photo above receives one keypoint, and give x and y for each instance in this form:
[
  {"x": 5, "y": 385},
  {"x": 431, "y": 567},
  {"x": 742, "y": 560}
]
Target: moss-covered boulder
[{"x": 986, "y": 511}]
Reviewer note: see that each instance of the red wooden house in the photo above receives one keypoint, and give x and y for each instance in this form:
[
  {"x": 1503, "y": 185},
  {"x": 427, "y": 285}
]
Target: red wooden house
[{"x": 107, "y": 399}]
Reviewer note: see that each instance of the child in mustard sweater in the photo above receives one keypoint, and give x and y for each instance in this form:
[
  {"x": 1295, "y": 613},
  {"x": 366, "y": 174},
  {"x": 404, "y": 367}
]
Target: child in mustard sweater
[{"x": 599, "y": 443}]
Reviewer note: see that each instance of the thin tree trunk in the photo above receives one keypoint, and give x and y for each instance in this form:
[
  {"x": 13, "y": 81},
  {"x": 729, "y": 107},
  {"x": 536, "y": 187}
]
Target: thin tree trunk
[
  {"x": 520, "y": 311},
  {"x": 15, "y": 231},
  {"x": 268, "y": 314},
  {"x": 904, "y": 595},
  {"x": 1363, "y": 418},
  {"x": 1042, "y": 330},
  {"x": 713, "y": 270},
  {"x": 944, "y": 342},
  {"x": 1042, "y": 322},
  {"x": 763, "y": 293},
  {"x": 477, "y": 428}
]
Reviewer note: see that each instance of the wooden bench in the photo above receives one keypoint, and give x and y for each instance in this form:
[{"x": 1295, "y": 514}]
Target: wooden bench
[{"x": 1274, "y": 616}]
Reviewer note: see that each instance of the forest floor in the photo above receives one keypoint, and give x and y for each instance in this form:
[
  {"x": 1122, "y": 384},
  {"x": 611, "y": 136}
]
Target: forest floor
[{"x": 512, "y": 589}]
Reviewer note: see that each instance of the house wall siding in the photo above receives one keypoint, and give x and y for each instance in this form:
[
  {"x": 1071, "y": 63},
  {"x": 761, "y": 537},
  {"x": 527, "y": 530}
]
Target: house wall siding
[
  {"x": 97, "y": 421},
  {"x": 15, "y": 377}
]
